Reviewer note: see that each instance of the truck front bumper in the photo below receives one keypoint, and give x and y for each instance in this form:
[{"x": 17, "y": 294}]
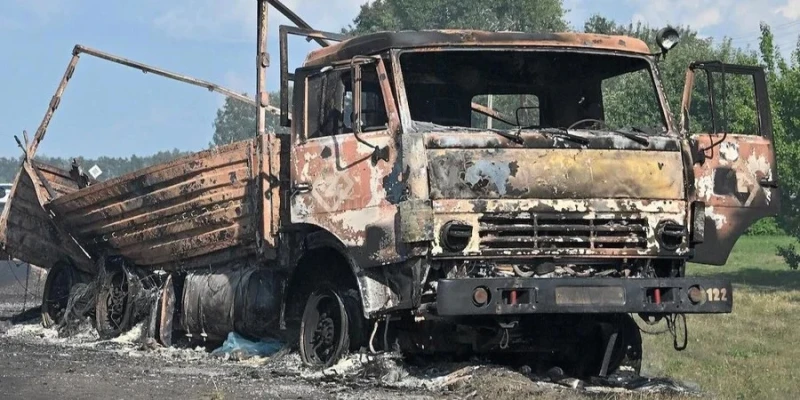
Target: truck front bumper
[{"x": 509, "y": 296}]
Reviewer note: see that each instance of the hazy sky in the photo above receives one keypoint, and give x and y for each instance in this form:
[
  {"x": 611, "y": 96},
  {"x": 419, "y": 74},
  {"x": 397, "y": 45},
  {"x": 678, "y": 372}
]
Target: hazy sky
[{"x": 117, "y": 111}]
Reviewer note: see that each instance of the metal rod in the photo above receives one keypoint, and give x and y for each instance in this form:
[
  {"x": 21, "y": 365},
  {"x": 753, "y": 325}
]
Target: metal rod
[
  {"x": 23, "y": 147},
  {"x": 490, "y": 112},
  {"x": 296, "y": 19},
  {"x": 51, "y": 108},
  {"x": 80, "y": 49},
  {"x": 264, "y": 152},
  {"x": 262, "y": 97},
  {"x": 489, "y": 119},
  {"x": 167, "y": 74},
  {"x": 262, "y": 62}
]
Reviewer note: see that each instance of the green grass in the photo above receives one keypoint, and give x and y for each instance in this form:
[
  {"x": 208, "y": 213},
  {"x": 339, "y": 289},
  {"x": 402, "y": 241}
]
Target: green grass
[{"x": 752, "y": 353}]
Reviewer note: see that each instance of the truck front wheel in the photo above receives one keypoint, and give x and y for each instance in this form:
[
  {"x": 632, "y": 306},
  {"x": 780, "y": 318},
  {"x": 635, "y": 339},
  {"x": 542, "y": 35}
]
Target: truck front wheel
[{"x": 332, "y": 321}]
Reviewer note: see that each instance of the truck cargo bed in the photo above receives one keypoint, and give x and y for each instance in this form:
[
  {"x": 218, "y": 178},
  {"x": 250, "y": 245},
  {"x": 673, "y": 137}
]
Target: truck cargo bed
[{"x": 186, "y": 213}]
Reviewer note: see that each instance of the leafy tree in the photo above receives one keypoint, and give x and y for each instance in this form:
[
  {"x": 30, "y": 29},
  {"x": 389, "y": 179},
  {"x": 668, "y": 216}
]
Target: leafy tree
[
  {"x": 237, "y": 121},
  {"x": 672, "y": 71},
  {"x": 784, "y": 87},
  {"x": 498, "y": 15}
]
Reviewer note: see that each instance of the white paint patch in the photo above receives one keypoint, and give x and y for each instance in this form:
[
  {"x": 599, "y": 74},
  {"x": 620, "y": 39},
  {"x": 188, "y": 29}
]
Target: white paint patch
[
  {"x": 378, "y": 192},
  {"x": 729, "y": 151},
  {"x": 705, "y": 187},
  {"x": 719, "y": 219},
  {"x": 758, "y": 163},
  {"x": 331, "y": 192}
]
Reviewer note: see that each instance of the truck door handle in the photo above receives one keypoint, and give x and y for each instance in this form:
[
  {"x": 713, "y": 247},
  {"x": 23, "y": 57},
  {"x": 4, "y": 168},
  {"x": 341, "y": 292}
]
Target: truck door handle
[
  {"x": 301, "y": 187},
  {"x": 768, "y": 183}
]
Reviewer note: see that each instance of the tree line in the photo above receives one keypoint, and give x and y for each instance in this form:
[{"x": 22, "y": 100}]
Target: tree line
[{"x": 111, "y": 166}]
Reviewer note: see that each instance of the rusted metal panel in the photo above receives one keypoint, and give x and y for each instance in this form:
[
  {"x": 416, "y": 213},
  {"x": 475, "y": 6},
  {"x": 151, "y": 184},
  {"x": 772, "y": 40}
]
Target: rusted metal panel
[
  {"x": 735, "y": 175},
  {"x": 349, "y": 196},
  {"x": 350, "y": 185},
  {"x": 558, "y": 206},
  {"x": 166, "y": 313},
  {"x": 169, "y": 214},
  {"x": 592, "y": 227},
  {"x": 416, "y": 219},
  {"x": 272, "y": 183},
  {"x": 57, "y": 179},
  {"x": 459, "y": 138},
  {"x": 559, "y": 174},
  {"x": 738, "y": 188},
  {"x": 27, "y": 231},
  {"x": 381, "y": 41}
]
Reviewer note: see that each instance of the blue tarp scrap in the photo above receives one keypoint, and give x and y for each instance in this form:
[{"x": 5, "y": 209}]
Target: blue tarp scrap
[{"x": 235, "y": 342}]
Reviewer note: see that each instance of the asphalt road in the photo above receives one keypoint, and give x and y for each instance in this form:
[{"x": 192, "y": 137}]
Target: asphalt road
[{"x": 36, "y": 364}]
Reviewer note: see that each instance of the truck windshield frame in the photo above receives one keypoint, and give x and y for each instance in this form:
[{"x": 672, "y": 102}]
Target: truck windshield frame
[{"x": 439, "y": 85}]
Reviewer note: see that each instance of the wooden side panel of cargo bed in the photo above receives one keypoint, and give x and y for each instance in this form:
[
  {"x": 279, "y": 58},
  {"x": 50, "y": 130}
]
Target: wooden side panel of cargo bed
[
  {"x": 185, "y": 213},
  {"x": 26, "y": 230}
]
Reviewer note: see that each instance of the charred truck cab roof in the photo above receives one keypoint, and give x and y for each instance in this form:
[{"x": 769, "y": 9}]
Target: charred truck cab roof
[{"x": 376, "y": 43}]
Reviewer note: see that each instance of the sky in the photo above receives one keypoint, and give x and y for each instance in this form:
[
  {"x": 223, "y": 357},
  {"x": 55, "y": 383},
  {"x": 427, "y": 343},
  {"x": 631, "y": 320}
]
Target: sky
[{"x": 117, "y": 111}]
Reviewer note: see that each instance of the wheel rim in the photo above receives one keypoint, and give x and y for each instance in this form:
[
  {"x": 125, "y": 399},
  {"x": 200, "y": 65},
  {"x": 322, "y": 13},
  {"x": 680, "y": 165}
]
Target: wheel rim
[
  {"x": 117, "y": 301},
  {"x": 113, "y": 310},
  {"x": 324, "y": 330}
]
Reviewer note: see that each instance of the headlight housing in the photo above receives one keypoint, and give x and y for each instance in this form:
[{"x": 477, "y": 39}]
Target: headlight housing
[
  {"x": 670, "y": 235},
  {"x": 455, "y": 236}
]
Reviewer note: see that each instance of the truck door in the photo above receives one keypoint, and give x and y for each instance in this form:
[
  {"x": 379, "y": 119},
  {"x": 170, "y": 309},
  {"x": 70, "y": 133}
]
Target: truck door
[
  {"x": 726, "y": 112},
  {"x": 344, "y": 171}
]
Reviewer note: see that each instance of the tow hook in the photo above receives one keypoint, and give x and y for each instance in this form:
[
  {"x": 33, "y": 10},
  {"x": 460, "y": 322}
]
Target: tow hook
[{"x": 506, "y": 326}]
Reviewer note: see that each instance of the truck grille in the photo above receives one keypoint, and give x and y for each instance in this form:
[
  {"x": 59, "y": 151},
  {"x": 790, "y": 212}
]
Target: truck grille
[{"x": 562, "y": 231}]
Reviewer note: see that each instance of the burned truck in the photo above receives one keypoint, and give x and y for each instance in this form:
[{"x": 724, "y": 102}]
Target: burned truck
[{"x": 446, "y": 191}]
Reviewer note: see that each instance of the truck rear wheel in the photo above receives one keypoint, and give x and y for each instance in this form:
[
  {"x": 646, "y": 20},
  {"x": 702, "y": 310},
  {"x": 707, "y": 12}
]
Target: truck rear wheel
[
  {"x": 55, "y": 297},
  {"x": 114, "y": 305},
  {"x": 331, "y": 322}
]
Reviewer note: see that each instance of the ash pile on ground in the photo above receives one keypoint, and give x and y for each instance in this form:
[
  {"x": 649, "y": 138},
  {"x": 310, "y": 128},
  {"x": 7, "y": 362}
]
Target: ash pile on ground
[
  {"x": 477, "y": 378},
  {"x": 354, "y": 374},
  {"x": 32, "y": 349}
]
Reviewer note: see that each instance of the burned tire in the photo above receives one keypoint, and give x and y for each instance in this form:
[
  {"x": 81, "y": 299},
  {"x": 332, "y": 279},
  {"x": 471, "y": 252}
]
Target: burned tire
[
  {"x": 114, "y": 303},
  {"x": 60, "y": 280},
  {"x": 626, "y": 352},
  {"x": 632, "y": 349},
  {"x": 355, "y": 317},
  {"x": 329, "y": 320}
]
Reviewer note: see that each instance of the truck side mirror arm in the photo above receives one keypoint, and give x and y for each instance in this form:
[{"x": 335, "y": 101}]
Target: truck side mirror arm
[{"x": 355, "y": 76}]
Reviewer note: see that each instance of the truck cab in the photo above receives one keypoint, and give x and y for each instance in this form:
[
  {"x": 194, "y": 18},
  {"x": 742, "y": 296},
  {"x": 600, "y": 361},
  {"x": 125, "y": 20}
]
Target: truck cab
[{"x": 520, "y": 184}]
